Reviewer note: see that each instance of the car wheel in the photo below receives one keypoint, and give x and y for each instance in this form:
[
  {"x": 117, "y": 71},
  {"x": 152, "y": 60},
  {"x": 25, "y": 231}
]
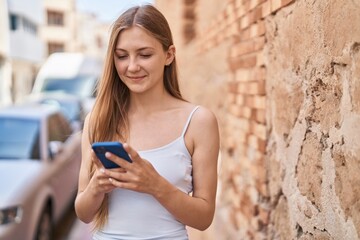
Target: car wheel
[{"x": 45, "y": 229}]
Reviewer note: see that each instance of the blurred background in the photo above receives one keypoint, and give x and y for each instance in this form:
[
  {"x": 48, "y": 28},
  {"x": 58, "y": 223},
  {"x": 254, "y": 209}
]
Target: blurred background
[{"x": 282, "y": 77}]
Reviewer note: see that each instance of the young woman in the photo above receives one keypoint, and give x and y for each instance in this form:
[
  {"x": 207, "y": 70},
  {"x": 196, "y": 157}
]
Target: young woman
[{"x": 172, "y": 180}]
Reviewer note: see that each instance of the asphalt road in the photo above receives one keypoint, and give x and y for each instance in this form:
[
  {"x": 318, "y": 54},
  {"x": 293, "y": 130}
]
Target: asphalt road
[
  {"x": 64, "y": 227},
  {"x": 71, "y": 228}
]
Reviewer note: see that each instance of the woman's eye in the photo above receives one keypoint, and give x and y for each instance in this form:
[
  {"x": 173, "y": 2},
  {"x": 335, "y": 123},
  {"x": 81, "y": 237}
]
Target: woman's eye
[
  {"x": 121, "y": 56},
  {"x": 145, "y": 55}
]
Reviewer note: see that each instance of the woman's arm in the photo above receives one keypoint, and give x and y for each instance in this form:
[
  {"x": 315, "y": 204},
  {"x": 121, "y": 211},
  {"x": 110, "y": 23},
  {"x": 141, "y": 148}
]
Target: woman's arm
[
  {"x": 91, "y": 191},
  {"x": 196, "y": 211}
]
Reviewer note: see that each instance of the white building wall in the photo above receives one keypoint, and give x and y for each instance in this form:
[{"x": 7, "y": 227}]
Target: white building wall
[
  {"x": 31, "y": 9},
  {"x": 26, "y": 48},
  {"x": 5, "y": 66},
  {"x": 26, "y": 45}
]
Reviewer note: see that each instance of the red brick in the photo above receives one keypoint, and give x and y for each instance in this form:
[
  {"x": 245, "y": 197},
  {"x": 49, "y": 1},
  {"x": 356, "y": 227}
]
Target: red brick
[
  {"x": 243, "y": 75},
  {"x": 260, "y": 59},
  {"x": 246, "y": 112},
  {"x": 238, "y": 4},
  {"x": 231, "y": 98},
  {"x": 234, "y": 110},
  {"x": 260, "y": 116},
  {"x": 241, "y": 88},
  {"x": 245, "y": 21},
  {"x": 232, "y": 87},
  {"x": 248, "y": 61},
  {"x": 259, "y": 43},
  {"x": 262, "y": 145},
  {"x": 261, "y": 28},
  {"x": 259, "y": 172},
  {"x": 259, "y": 74},
  {"x": 229, "y": 9},
  {"x": 240, "y": 100},
  {"x": 259, "y": 102},
  {"x": 266, "y": 9},
  {"x": 262, "y": 188},
  {"x": 240, "y": 12},
  {"x": 264, "y": 215},
  {"x": 244, "y": 34},
  {"x": 261, "y": 87},
  {"x": 243, "y": 48},
  {"x": 257, "y": 14},
  {"x": 249, "y": 46},
  {"x": 260, "y": 132},
  {"x": 286, "y": 2},
  {"x": 246, "y": 5},
  {"x": 275, "y": 5}
]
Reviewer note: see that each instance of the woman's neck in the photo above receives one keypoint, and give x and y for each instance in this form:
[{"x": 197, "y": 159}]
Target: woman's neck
[{"x": 150, "y": 102}]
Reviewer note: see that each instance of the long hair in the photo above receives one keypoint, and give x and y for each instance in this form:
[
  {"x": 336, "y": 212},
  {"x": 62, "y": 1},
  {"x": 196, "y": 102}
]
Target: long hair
[{"x": 109, "y": 119}]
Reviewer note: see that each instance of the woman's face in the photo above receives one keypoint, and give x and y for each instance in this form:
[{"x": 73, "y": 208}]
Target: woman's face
[{"x": 140, "y": 60}]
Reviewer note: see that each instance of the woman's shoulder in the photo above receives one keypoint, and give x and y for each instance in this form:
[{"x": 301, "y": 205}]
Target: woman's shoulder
[
  {"x": 201, "y": 117},
  {"x": 204, "y": 115}
]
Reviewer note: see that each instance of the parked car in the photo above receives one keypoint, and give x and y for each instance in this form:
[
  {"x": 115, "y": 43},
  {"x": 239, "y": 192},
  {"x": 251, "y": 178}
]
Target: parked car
[
  {"x": 70, "y": 105},
  {"x": 71, "y": 73},
  {"x": 39, "y": 165}
]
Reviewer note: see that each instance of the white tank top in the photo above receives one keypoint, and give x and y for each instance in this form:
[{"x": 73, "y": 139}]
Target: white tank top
[{"x": 134, "y": 215}]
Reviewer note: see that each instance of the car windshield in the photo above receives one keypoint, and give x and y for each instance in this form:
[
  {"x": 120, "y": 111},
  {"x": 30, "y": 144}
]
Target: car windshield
[
  {"x": 82, "y": 86},
  {"x": 19, "y": 139}
]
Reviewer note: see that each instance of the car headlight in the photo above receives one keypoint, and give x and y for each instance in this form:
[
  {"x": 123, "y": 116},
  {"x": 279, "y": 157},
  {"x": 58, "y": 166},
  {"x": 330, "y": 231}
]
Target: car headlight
[{"x": 11, "y": 214}]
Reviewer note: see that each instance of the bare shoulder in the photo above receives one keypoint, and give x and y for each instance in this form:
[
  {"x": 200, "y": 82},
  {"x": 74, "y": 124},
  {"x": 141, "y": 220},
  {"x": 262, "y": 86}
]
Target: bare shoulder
[
  {"x": 204, "y": 116},
  {"x": 204, "y": 124}
]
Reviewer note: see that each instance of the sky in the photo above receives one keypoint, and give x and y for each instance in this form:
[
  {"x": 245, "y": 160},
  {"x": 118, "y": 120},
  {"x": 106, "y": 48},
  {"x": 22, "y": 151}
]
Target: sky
[{"x": 107, "y": 10}]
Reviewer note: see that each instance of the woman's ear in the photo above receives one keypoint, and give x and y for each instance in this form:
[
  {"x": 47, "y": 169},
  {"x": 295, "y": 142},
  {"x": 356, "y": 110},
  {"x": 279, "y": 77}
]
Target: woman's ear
[{"x": 170, "y": 55}]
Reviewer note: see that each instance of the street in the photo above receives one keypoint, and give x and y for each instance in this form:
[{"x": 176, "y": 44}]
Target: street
[{"x": 71, "y": 228}]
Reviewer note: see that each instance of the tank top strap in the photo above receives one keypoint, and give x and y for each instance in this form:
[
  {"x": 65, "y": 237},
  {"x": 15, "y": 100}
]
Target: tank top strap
[{"x": 188, "y": 121}]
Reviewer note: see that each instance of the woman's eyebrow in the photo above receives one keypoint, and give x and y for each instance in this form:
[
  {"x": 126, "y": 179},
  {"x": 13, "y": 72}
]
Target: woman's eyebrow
[{"x": 140, "y": 49}]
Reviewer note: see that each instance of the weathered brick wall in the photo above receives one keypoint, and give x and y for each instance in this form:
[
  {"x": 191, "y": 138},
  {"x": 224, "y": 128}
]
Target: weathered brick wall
[
  {"x": 283, "y": 78},
  {"x": 313, "y": 118}
]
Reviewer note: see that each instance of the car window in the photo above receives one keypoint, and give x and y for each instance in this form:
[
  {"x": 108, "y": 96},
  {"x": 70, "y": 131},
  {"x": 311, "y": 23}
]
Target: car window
[
  {"x": 71, "y": 109},
  {"x": 82, "y": 86},
  {"x": 59, "y": 128},
  {"x": 19, "y": 139}
]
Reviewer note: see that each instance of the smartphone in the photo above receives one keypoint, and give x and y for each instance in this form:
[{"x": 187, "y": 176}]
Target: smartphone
[{"x": 100, "y": 148}]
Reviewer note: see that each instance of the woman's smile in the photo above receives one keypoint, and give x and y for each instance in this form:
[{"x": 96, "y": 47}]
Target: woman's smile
[{"x": 136, "y": 78}]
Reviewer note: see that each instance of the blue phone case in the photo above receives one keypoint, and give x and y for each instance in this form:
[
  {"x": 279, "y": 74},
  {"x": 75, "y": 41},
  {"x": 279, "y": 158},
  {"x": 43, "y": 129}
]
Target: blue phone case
[{"x": 100, "y": 148}]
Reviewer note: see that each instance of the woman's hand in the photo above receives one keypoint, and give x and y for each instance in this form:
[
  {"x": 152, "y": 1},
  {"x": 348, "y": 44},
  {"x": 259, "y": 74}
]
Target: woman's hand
[
  {"x": 99, "y": 182},
  {"x": 138, "y": 176}
]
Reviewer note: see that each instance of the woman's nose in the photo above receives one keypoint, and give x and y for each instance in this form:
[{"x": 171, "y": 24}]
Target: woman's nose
[{"x": 133, "y": 66}]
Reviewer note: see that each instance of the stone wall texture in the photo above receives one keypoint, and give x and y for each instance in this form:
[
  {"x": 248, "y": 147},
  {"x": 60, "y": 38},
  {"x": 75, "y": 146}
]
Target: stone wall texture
[{"x": 283, "y": 78}]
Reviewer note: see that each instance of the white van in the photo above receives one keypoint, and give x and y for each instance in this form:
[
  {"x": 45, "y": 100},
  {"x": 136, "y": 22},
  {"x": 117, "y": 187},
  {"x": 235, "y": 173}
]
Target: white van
[{"x": 69, "y": 73}]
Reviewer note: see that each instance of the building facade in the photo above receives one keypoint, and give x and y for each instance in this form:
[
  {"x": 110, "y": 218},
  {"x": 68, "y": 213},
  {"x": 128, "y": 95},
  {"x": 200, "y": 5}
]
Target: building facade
[
  {"x": 22, "y": 61},
  {"x": 31, "y": 30},
  {"x": 59, "y": 29},
  {"x": 5, "y": 66}
]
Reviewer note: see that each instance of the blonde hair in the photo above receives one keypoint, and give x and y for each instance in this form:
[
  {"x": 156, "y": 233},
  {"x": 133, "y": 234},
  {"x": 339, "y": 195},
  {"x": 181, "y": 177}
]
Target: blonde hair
[{"x": 109, "y": 119}]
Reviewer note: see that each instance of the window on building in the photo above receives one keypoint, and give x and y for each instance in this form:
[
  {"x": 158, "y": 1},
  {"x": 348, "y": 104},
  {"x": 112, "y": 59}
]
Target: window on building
[
  {"x": 55, "y": 18},
  {"x": 20, "y": 22},
  {"x": 29, "y": 26},
  {"x": 14, "y": 22},
  {"x": 55, "y": 47}
]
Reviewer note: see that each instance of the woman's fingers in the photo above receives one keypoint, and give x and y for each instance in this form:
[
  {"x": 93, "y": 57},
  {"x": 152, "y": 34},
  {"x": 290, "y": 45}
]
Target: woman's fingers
[
  {"x": 132, "y": 153},
  {"x": 122, "y": 162},
  {"x": 96, "y": 161}
]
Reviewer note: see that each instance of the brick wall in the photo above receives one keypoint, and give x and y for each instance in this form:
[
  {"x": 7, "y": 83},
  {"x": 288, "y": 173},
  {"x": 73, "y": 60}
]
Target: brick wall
[{"x": 279, "y": 78}]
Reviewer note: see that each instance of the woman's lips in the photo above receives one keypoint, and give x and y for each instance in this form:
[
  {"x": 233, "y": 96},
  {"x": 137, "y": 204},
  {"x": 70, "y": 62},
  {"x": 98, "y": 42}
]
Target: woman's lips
[{"x": 135, "y": 78}]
